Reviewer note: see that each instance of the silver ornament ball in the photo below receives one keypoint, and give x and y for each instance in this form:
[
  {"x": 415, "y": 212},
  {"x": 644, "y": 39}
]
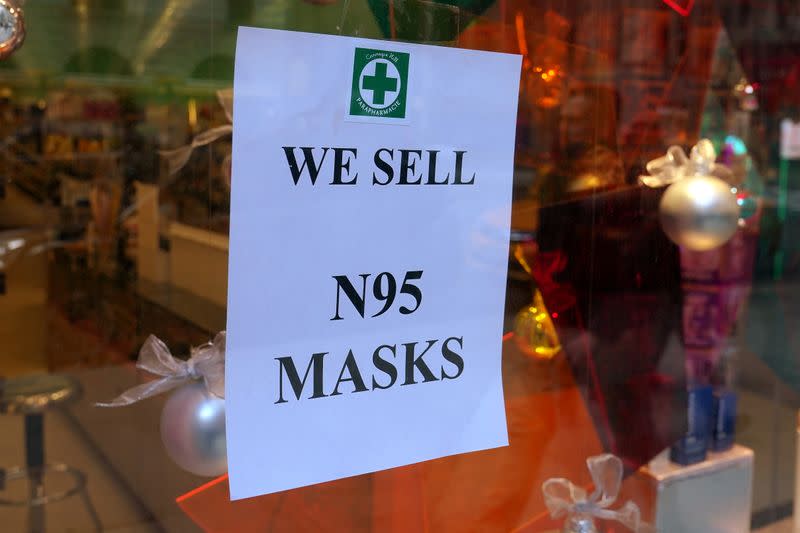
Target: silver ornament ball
[
  {"x": 193, "y": 430},
  {"x": 579, "y": 524},
  {"x": 699, "y": 212}
]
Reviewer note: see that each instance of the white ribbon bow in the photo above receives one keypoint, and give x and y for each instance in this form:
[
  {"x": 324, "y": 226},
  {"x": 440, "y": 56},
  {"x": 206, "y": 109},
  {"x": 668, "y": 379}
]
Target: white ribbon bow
[
  {"x": 563, "y": 498},
  {"x": 178, "y": 157},
  {"x": 207, "y": 362},
  {"x": 675, "y": 165}
]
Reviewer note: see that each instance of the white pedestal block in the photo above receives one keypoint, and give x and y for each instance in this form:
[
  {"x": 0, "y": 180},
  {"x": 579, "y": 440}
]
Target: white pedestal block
[{"x": 709, "y": 497}]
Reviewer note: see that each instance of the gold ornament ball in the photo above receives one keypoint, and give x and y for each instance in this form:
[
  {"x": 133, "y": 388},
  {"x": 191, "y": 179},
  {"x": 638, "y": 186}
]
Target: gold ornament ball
[
  {"x": 699, "y": 213},
  {"x": 534, "y": 331}
]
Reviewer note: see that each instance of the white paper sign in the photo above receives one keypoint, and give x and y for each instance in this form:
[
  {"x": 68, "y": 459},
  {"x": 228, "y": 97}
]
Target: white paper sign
[
  {"x": 790, "y": 139},
  {"x": 369, "y": 240}
]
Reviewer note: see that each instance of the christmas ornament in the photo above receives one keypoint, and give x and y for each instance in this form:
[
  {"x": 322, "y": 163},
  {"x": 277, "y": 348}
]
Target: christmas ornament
[
  {"x": 193, "y": 419},
  {"x": 571, "y": 502},
  {"x": 698, "y": 210},
  {"x": 193, "y": 430},
  {"x": 12, "y": 27},
  {"x": 699, "y": 213},
  {"x": 534, "y": 331}
]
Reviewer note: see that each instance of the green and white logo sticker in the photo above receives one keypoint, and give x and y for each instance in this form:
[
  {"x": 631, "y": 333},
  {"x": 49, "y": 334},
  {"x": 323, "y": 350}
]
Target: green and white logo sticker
[{"x": 380, "y": 84}]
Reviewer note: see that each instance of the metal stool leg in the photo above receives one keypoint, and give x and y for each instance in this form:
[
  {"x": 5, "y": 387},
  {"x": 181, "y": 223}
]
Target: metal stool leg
[
  {"x": 87, "y": 502},
  {"x": 34, "y": 459},
  {"x": 31, "y": 396},
  {"x": 78, "y": 487}
]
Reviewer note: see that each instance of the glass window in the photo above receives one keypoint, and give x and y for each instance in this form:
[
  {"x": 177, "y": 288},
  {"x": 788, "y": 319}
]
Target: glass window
[{"x": 649, "y": 298}]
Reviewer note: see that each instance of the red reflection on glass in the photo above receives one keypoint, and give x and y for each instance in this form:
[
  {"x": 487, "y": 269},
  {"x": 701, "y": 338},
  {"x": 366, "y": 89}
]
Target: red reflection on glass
[
  {"x": 201, "y": 488},
  {"x": 682, "y": 7}
]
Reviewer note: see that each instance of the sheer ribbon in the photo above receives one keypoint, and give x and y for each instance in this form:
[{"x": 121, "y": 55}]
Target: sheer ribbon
[
  {"x": 563, "y": 498},
  {"x": 206, "y": 362},
  {"x": 676, "y": 165},
  {"x": 178, "y": 157}
]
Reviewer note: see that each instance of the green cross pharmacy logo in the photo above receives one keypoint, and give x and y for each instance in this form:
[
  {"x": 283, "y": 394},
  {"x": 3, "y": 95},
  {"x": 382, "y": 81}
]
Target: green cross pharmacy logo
[{"x": 380, "y": 84}]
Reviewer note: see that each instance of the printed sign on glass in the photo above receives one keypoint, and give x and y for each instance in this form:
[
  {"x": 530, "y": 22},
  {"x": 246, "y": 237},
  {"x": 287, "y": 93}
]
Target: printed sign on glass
[{"x": 369, "y": 239}]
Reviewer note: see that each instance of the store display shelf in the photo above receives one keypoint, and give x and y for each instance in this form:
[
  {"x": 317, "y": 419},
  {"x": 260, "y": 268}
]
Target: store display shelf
[{"x": 75, "y": 156}]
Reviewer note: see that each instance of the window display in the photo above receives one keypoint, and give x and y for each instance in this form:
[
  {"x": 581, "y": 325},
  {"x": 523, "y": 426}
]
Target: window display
[{"x": 625, "y": 248}]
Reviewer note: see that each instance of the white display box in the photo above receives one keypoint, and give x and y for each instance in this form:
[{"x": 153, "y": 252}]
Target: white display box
[{"x": 713, "y": 496}]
